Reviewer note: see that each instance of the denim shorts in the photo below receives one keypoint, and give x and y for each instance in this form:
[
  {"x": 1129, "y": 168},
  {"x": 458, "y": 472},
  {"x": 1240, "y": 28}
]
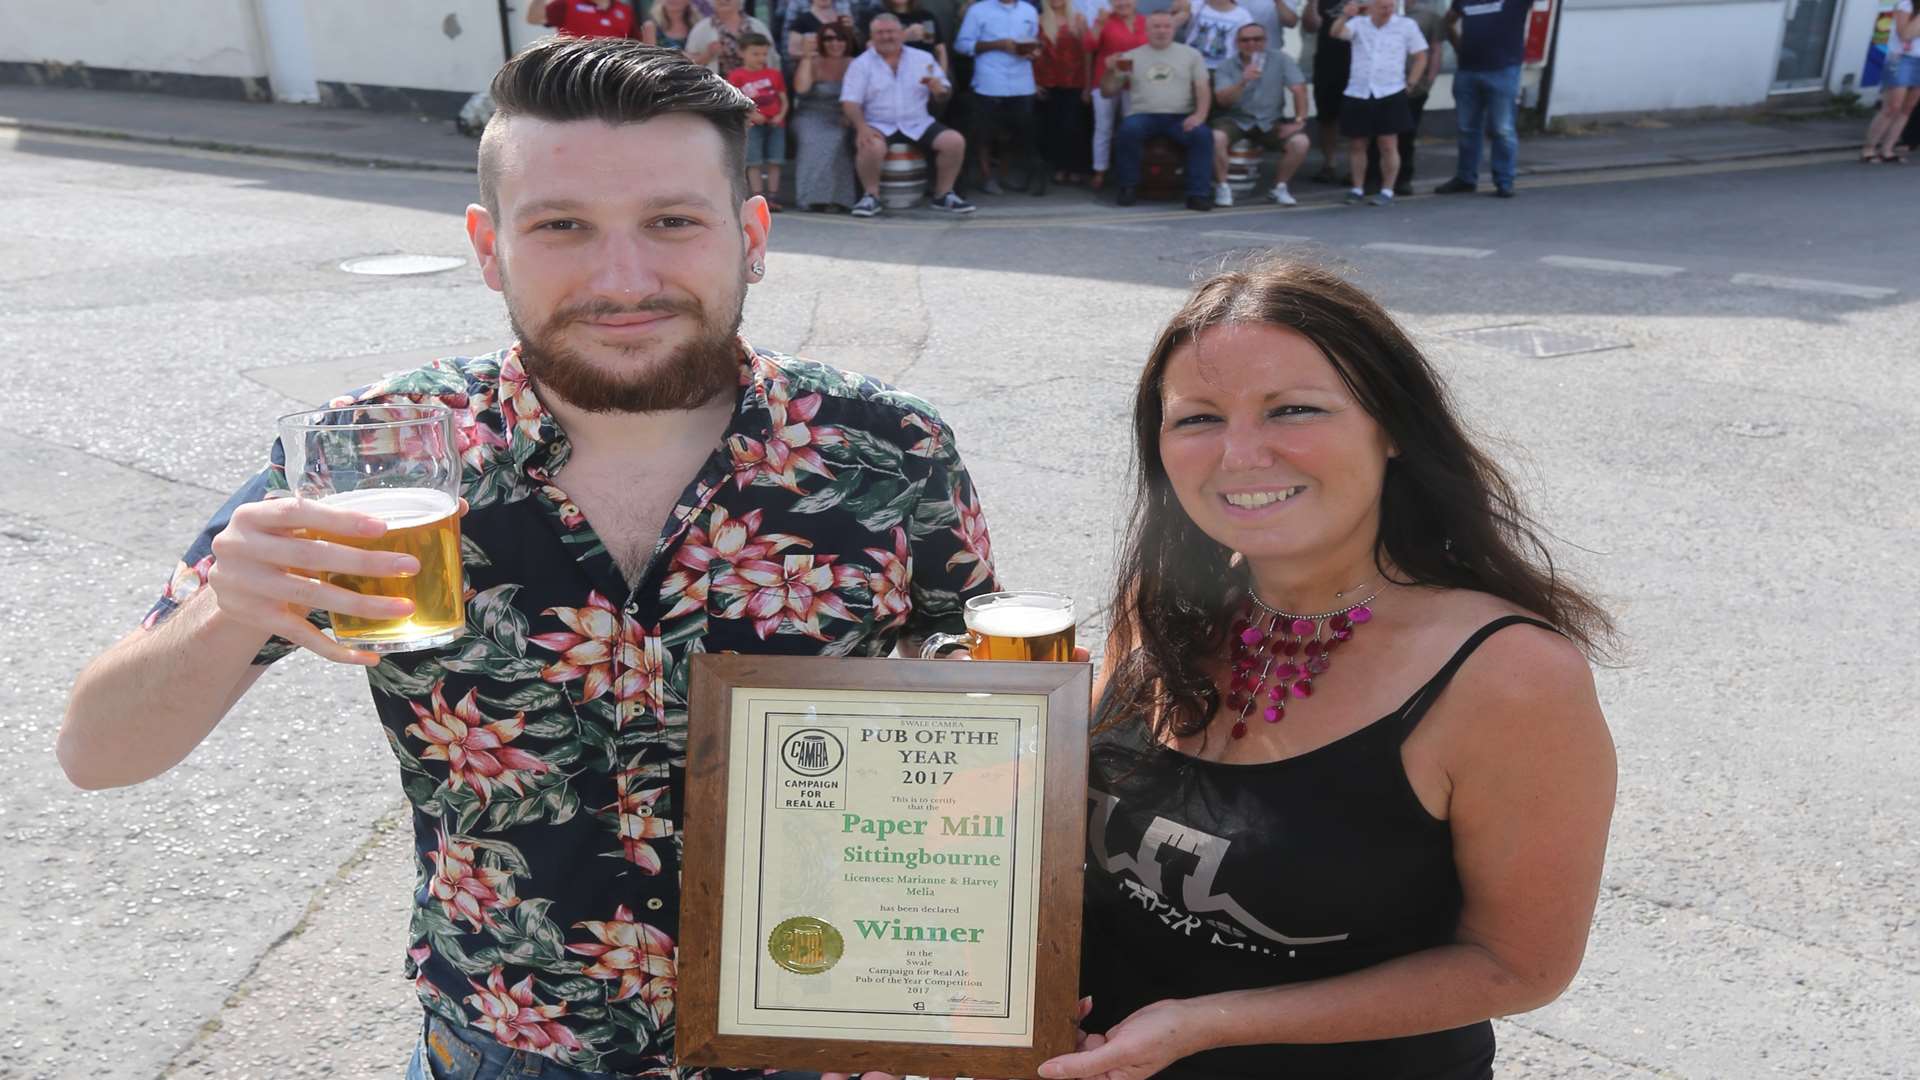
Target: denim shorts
[
  {"x": 1903, "y": 71},
  {"x": 767, "y": 144}
]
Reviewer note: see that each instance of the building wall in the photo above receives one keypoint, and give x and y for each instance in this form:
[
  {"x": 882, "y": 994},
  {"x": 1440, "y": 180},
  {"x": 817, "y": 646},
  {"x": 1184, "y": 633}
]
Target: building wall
[
  {"x": 447, "y": 45},
  {"x": 1620, "y": 56},
  {"x": 1854, "y": 32},
  {"x": 207, "y": 38}
]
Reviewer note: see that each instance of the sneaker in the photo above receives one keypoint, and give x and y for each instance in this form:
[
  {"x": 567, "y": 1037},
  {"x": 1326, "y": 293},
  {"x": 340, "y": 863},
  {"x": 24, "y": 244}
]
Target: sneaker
[
  {"x": 1223, "y": 194},
  {"x": 1124, "y": 197},
  {"x": 952, "y": 204},
  {"x": 992, "y": 187},
  {"x": 1281, "y": 195},
  {"x": 1355, "y": 197},
  {"x": 1383, "y": 197},
  {"x": 1455, "y": 186},
  {"x": 1503, "y": 193},
  {"x": 868, "y": 206},
  {"x": 1199, "y": 202},
  {"x": 1402, "y": 190}
]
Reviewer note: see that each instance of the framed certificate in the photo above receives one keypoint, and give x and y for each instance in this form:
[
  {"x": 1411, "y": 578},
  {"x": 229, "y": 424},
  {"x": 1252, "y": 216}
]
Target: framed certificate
[{"x": 882, "y": 864}]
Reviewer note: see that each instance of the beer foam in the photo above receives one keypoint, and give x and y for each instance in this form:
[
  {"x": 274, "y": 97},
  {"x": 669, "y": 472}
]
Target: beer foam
[
  {"x": 1015, "y": 620},
  {"x": 400, "y": 508}
]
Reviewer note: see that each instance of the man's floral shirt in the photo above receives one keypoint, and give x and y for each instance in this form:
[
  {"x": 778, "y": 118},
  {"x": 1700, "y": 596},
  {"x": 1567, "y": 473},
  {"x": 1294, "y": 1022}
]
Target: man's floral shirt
[{"x": 544, "y": 752}]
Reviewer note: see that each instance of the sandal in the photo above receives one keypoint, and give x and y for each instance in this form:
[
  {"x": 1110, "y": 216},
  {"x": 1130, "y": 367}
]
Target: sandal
[{"x": 1870, "y": 157}]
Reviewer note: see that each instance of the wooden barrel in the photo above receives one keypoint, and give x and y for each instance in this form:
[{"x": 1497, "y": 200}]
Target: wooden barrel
[
  {"x": 1243, "y": 168},
  {"x": 903, "y": 177},
  {"x": 1162, "y": 165}
]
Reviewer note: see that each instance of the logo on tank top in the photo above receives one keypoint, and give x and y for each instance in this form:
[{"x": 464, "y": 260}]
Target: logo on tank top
[{"x": 1196, "y": 893}]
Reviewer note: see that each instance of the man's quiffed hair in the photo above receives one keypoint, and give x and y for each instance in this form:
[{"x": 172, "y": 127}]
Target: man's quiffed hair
[{"x": 615, "y": 80}]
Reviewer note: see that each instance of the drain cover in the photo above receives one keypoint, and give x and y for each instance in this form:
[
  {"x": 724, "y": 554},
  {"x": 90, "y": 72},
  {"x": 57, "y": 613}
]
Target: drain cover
[
  {"x": 400, "y": 265},
  {"x": 1539, "y": 342}
]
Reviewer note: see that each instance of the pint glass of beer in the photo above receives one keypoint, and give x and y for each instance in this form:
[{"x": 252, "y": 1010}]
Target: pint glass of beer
[
  {"x": 1027, "y": 625},
  {"x": 398, "y": 463}
]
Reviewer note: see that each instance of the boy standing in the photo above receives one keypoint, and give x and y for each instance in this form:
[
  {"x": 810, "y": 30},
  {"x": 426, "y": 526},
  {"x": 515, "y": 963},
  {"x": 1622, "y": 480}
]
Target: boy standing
[{"x": 767, "y": 123}]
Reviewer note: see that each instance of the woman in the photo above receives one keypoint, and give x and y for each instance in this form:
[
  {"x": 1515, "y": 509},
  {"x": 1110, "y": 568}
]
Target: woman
[
  {"x": 1900, "y": 89},
  {"x": 1351, "y": 783},
  {"x": 1061, "y": 71},
  {"x": 823, "y": 173},
  {"x": 809, "y": 19},
  {"x": 715, "y": 40},
  {"x": 1118, "y": 28},
  {"x": 669, "y": 24}
]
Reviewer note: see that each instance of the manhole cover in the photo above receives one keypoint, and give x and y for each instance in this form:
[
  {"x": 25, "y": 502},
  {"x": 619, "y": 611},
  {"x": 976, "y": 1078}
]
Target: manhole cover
[
  {"x": 399, "y": 265},
  {"x": 1756, "y": 429},
  {"x": 1539, "y": 342}
]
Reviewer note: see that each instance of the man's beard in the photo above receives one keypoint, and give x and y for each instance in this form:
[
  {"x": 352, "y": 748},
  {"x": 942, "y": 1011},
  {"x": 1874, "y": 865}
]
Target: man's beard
[{"x": 690, "y": 376}]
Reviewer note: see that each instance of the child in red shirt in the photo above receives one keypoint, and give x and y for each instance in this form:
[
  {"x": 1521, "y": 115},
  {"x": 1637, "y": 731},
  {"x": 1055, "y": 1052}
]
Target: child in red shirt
[{"x": 767, "y": 123}]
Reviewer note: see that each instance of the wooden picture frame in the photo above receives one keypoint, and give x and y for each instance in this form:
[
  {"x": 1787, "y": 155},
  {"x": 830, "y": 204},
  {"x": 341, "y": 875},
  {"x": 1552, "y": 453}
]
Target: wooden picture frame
[{"x": 963, "y": 696}]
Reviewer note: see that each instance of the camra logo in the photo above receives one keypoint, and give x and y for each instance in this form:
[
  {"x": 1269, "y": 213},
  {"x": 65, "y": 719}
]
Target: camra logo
[
  {"x": 805, "y": 945},
  {"x": 813, "y": 766},
  {"x": 812, "y": 752}
]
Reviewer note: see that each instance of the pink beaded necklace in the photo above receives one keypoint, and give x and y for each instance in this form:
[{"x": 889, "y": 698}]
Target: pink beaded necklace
[{"x": 1276, "y": 654}]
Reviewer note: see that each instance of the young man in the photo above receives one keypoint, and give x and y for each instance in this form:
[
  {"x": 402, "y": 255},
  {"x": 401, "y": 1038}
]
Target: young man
[
  {"x": 885, "y": 95},
  {"x": 1388, "y": 55},
  {"x": 1169, "y": 93},
  {"x": 1250, "y": 92},
  {"x": 1490, "y": 39},
  {"x": 644, "y": 486},
  {"x": 767, "y": 123}
]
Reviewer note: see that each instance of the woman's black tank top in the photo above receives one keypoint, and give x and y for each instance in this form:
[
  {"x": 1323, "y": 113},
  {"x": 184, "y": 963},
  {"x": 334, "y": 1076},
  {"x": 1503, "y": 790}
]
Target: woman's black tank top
[{"x": 1204, "y": 877}]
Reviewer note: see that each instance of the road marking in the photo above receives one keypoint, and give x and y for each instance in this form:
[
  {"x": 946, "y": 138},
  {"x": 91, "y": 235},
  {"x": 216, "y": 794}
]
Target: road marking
[
  {"x": 1815, "y": 285},
  {"x": 1429, "y": 249},
  {"x": 1261, "y": 237},
  {"x": 1119, "y": 228},
  {"x": 1612, "y": 266}
]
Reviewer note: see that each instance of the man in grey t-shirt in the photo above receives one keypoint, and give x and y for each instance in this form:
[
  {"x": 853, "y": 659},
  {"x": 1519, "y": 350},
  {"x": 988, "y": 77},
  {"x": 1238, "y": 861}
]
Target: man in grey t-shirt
[{"x": 1250, "y": 89}]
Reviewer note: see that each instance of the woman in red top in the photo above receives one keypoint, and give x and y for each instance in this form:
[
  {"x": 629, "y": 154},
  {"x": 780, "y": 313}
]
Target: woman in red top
[
  {"x": 584, "y": 18},
  {"x": 1119, "y": 28},
  {"x": 1060, "y": 74}
]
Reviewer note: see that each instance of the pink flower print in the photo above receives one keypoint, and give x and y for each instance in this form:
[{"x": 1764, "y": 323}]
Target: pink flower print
[
  {"x": 474, "y": 748},
  {"x": 625, "y": 951},
  {"x": 892, "y": 583},
  {"x": 514, "y": 1018}
]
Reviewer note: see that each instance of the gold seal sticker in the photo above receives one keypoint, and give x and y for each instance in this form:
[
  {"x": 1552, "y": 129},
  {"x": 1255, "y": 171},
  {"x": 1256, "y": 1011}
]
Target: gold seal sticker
[{"x": 805, "y": 945}]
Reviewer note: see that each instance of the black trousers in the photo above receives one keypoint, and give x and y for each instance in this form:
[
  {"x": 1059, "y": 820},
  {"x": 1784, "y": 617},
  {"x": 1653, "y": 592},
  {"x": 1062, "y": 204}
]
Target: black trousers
[
  {"x": 1065, "y": 138},
  {"x": 992, "y": 115},
  {"x": 1418, "y": 106}
]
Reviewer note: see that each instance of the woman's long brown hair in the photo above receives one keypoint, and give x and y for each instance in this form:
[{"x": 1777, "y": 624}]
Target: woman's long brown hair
[{"x": 1449, "y": 517}]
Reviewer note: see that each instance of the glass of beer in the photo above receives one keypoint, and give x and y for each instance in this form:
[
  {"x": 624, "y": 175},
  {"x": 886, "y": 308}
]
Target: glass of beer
[
  {"x": 401, "y": 464},
  {"x": 1026, "y": 625}
]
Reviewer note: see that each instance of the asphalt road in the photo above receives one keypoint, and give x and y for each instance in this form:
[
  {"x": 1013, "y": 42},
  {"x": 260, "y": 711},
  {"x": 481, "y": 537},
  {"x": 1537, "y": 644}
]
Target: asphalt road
[{"x": 1734, "y": 471}]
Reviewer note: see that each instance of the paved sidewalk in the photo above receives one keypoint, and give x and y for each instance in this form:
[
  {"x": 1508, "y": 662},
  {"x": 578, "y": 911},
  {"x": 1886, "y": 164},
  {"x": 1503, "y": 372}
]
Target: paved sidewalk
[{"x": 403, "y": 141}]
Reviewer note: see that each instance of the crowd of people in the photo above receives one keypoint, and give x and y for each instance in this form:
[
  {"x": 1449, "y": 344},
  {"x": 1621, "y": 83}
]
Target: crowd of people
[{"x": 1027, "y": 94}]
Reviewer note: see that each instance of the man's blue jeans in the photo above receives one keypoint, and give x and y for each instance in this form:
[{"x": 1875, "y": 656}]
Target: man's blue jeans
[
  {"x": 1130, "y": 143},
  {"x": 1485, "y": 102},
  {"x": 445, "y": 1052}
]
